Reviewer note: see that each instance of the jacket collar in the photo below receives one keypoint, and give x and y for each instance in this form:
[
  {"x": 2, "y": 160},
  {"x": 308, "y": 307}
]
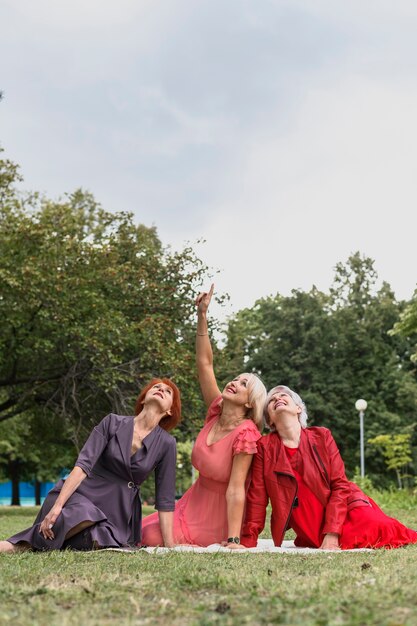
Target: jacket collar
[
  {"x": 277, "y": 455},
  {"x": 124, "y": 436}
]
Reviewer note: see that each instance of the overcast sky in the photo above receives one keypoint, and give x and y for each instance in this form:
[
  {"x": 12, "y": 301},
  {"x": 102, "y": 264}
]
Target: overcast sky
[{"x": 284, "y": 133}]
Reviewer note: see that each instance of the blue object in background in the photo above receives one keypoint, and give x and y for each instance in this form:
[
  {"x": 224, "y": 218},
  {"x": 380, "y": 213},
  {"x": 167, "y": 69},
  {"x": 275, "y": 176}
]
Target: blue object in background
[{"x": 27, "y": 493}]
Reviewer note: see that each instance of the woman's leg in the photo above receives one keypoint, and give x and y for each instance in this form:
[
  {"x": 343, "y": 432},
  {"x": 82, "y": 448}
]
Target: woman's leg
[
  {"x": 151, "y": 533},
  {"x": 6, "y": 546}
]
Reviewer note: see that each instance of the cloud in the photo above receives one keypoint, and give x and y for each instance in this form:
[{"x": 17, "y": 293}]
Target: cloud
[
  {"x": 282, "y": 132},
  {"x": 340, "y": 180}
]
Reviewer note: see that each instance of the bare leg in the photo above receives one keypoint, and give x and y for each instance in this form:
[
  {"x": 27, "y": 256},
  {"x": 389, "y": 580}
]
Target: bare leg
[{"x": 6, "y": 546}]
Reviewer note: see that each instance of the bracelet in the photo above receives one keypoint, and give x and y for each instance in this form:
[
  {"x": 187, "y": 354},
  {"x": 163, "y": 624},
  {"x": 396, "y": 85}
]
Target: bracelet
[
  {"x": 233, "y": 540},
  {"x": 202, "y": 334}
]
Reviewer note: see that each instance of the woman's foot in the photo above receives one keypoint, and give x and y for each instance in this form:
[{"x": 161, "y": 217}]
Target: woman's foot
[{"x": 6, "y": 546}]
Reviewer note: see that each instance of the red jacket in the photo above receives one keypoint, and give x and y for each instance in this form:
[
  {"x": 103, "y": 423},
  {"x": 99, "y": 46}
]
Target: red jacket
[{"x": 273, "y": 479}]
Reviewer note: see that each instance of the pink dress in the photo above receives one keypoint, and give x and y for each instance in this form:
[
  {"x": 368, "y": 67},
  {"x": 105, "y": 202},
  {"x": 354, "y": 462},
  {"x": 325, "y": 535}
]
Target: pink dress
[{"x": 200, "y": 516}]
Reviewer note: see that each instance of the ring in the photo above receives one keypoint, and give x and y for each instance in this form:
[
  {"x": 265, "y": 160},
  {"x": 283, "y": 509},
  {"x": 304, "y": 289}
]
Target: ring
[{"x": 50, "y": 526}]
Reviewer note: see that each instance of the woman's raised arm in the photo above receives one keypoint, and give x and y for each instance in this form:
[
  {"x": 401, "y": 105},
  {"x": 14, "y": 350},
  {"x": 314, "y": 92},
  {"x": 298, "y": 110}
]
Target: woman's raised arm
[{"x": 204, "y": 352}]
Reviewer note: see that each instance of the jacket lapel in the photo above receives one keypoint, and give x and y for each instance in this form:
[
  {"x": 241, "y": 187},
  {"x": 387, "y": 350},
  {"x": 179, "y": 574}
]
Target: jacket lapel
[
  {"x": 278, "y": 458},
  {"x": 124, "y": 436}
]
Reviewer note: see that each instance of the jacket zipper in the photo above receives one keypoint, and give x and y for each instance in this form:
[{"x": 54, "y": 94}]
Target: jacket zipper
[
  {"x": 292, "y": 503},
  {"x": 322, "y": 464}
]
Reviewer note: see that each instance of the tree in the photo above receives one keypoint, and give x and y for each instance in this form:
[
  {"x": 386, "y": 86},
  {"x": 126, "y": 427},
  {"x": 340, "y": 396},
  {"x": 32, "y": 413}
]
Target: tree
[
  {"x": 396, "y": 450},
  {"x": 406, "y": 326},
  {"x": 333, "y": 348},
  {"x": 92, "y": 306},
  {"x": 35, "y": 450}
]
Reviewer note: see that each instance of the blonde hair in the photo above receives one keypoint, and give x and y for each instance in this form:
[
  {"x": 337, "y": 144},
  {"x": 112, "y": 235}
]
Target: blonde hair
[
  {"x": 302, "y": 417},
  {"x": 257, "y": 396}
]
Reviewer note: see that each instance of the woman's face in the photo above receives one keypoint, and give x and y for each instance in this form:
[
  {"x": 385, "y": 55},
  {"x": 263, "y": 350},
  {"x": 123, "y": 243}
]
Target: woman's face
[
  {"x": 162, "y": 395},
  {"x": 237, "y": 390},
  {"x": 281, "y": 403}
]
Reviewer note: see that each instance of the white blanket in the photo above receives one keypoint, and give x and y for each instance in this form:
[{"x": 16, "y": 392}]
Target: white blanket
[{"x": 264, "y": 545}]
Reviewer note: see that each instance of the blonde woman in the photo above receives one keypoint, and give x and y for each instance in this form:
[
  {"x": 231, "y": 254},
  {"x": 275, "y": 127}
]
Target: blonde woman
[{"x": 211, "y": 511}]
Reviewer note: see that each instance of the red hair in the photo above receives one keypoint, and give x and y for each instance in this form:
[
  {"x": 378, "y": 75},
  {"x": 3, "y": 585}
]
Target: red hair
[{"x": 169, "y": 421}]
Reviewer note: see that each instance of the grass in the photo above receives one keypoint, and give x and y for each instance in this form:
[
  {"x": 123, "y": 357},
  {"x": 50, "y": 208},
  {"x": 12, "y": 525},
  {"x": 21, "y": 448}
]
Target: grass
[{"x": 70, "y": 588}]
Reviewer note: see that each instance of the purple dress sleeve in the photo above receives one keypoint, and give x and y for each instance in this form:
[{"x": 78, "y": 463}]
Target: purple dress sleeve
[
  {"x": 165, "y": 479},
  {"x": 94, "y": 446}
]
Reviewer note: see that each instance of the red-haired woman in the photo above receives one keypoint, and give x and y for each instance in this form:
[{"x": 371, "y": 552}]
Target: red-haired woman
[{"x": 98, "y": 504}]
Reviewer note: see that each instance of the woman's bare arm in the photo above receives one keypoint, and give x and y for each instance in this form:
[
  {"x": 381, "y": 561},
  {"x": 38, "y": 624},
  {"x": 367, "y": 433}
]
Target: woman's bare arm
[
  {"x": 74, "y": 480},
  {"x": 236, "y": 495},
  {"x": 166, "y": 524},
  {"x": 204, "y": 352}
]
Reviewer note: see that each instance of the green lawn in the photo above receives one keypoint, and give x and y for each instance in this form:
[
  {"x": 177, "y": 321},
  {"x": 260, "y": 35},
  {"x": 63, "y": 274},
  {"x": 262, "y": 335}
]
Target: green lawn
[{"x": 70, "y": 588}]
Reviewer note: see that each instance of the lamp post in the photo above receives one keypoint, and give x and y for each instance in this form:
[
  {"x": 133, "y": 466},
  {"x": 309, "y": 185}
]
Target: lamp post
[{"x": 361, "y": 405}]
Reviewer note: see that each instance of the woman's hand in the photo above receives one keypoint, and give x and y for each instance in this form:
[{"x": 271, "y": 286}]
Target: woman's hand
[
  {"x": 330, "y": 542},
  {"x": 49, "y": 521},
  {"x": 203, "y": 300}
]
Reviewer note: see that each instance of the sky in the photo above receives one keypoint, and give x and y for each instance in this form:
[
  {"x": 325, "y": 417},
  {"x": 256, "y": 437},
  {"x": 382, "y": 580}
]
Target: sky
[{"x": 282, "y": 133}]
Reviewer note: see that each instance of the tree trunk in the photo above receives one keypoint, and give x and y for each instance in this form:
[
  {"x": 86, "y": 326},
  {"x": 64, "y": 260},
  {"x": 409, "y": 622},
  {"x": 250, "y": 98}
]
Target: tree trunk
[
  {"x": 400, "y": 486},
  {"x": 14, "y": 472},
  {"x": 37, "y": 492}
]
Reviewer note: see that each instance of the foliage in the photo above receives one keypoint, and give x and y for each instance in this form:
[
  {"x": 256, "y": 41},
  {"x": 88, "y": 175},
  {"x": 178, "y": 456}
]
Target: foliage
[
  {"x": 92, "y": 307},
  {"x": 407, "y": 325},
  {"x": 396, "y": 450},
  {"x": 184, "y": 467},
  {"x": 32, "y": 448},
  {"x": 333, "y": 349}
]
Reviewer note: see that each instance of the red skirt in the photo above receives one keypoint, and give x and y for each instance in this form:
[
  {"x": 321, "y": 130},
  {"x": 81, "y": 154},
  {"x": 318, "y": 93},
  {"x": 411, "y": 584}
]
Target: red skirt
[
  {"x": 369, "y": 527},
  {"x": 364, "y": 527}
]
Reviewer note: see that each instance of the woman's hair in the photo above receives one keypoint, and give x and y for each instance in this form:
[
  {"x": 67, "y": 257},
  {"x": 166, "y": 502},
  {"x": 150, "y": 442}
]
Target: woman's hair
[
  {"x": 170, "y": 420},
  {"x": 302, "y": 417},
  {"x": 257, "y": 395}
]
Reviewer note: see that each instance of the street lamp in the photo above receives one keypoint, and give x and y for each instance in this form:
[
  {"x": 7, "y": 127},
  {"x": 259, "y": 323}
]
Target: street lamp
[{"x": 360, "y": 405}]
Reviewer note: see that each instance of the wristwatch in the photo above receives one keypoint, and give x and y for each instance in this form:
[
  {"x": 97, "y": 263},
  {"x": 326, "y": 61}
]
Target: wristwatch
[{"x": 233, "y": 540}]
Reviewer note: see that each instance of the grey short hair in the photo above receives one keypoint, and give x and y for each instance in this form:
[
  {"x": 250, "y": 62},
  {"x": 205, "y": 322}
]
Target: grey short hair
[{"x": 303, "y": 416}]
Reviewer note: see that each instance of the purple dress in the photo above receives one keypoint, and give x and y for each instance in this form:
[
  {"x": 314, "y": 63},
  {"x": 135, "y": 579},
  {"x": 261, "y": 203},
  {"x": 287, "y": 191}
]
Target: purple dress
[{"x": 109, "y": 496}]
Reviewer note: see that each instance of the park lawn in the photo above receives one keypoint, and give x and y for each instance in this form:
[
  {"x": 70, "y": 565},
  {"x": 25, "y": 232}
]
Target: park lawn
[{"x": 73, "y": 588}]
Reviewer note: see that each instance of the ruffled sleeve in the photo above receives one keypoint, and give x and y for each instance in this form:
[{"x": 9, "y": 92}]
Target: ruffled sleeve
[
  {"x": 245, "y": 440},
  {"x": 214, "y": 409}
]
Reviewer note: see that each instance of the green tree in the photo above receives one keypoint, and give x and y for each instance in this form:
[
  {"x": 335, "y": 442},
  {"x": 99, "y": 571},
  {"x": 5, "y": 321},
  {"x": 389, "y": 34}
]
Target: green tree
[
  {"x": 35, "y": 450},
  {"x": 396, "y": 450},
  {"x": 406, "y": 326},
  {"x": 333, "y": 348},
  {"x": 92, "y": 306}
]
